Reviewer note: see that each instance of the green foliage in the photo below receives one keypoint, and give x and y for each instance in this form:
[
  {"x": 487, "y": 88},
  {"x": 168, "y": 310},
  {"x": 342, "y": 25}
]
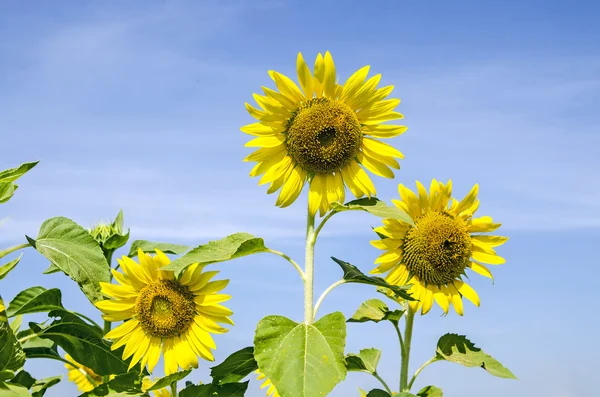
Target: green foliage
[
  {"x": 75, "y": 252},
  {"x": 167, "y": 380},
  {"x": 365, "y": 361},
  {"x": 37, "y": 387},
  {"x": 353, "y": 275},
  {"x": 375, "y": 310},
  {"x": 149, "y": 246},
  {"x": 235, "y": 367},
  {"x": 12, "y": 356},
  {"x": 35, "y": 300},
  {"x": 226, "y": 390},
  {"x": 5, "y": 269},
  {"x": 13, "y": 390},
  {"x": 129, "y": 384},
  {"x": 430, "y": 391},
  {"x": 230, "y": 247},
  {"x": 8, "y": 177},
  {"x": 302, "y": 360},
  {"x": 375, "y": 207},
  {"x": 460, "y": 350},
  {"x": 83, "y": 342}
]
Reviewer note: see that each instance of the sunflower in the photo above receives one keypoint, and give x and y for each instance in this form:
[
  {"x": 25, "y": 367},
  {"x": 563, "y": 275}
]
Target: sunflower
[
  {"x": 433, "y": 254},
  {"x": 164, "y": 314},
  {"x": 85, "y": 379},
  {"x": 271, "y": 391},
  {"x": 322, "y": 132}
]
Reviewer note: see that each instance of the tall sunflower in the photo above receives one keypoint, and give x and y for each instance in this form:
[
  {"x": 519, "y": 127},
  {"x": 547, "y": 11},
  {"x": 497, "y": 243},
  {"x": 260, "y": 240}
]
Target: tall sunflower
[
  {"x": 434, "y": 254},
  {"x": 85, "y": 379},
  {"x": 323, "y": 132},
  {"x": 271, "y": 391},
  {"x": 164, "y": 314}
]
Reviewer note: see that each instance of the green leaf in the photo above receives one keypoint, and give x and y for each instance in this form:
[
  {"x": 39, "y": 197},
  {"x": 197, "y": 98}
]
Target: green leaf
[
  {"x": 74, "y": 251},
  {"x": 83, "y": 342},
  {"x": 7, "y": 190},
  {"x": 5, "y": 269},
  {"x": 118, "y": 239},
  {"x": 167, "y": 380},
  {"x": 375, "y": 207},
  {"x": 353, "y": 275},
  {"x": 35, "y": 300},
  {"x": 302, "y": 360},
  {"x": 12, "y": 390},
  {"x": 13, "y": 174},
  {"x": 230, "y": 247},
  {"x": 235, "y": 367},
  {"x": 378, "y": 393},
  {"x": 365, "y": 361},
  {"x": 376, "y": 311},
  {"x": 149, "y": 246},
  {"x": 226, "y": 390},
  {"x": 458, "y": 349},
  {"x": 24, "y": 379},
  {"x": 52, "y": 268},
  {"x": 128, "y": 384},
  {"x": 430, "y": 391},
  {"x": 12, "y": 356},
  {"x": 6, "y": 375},
  {"x": 41, "y": 385}
]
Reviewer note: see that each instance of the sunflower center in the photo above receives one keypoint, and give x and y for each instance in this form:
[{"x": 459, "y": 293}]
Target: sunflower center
[
  {"x": 322, "y": 136},
  {"x": 438, "y": 248},
  {"x": 165, "y": 308}
]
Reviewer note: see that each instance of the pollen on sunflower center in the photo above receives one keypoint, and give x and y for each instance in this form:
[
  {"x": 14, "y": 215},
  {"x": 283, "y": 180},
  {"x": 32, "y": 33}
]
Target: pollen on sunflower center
[
  {"x": 323, "y": 135},
  {"x": 438, "y": 248},
  {"x": 165, "y": 308}
]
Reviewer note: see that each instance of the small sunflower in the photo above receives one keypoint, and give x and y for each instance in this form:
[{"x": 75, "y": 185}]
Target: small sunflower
[
  {"x": 433, "y": 254},
  {"x": 164, "y": 314},
  {"x": 322, "y": 132},
  {"x": 85, "y": 379},
  {"x": 271, "y": 391}
]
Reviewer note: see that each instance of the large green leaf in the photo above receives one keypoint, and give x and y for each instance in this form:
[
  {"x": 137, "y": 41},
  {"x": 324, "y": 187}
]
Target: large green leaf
[
  {"x": 13, "y": 174},
  {"x": 74, "y": 251},
  {"x": 5, "y": 269},
  {"x": 7, "y": 190},
  {"x": 375, "y": 207},
  {"x": 226, "y": 390},
  {"x": 365, "y": 361},
  {"x": 235, "y": 367},
  {"x": 83, "y": 342},
  {"x": 302, "y": 360},
  {"x": 38, "y": 387},
  {"x": 24, "y": 379},
  {"x": 230, "y": 247},
  {"x": 13, "y": 390},
  {"x": 430, "y": 391},
  {"x": 378, "y": 393},
  {"x": 35, "y": 300},
  {"x": 375, "y": 310},
  {"x": 149, "y": 246},
  {"x": 167, "y": 380},
  {"x": 458, "y": 349},
  {"x": 353, "y": 275},
  {"x": 128, "y": 384},
  {"x": 12, "y": 357}
]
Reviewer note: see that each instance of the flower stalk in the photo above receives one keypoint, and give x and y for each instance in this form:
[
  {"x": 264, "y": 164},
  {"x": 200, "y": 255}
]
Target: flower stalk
[{"x": 309, "y": 269}]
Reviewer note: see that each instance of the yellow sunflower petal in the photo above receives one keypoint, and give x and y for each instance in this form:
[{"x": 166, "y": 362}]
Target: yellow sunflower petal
[
  {"x": 354, "y": 83},
  {"x": 304, "y": 76},
  {"x": 468, "y": 292},
  {"x": 315, "y": 193},
  {"x": 329, "y": 80},
  {"x": 488, "y": 258},
  {"x": 292, "y": 187},
  {"x": 286, "y": 86}
]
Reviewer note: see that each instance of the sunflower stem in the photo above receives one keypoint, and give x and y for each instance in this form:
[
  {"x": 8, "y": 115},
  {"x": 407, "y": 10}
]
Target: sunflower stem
[
  {"x": 14, "y": 248},
  {"x": 421, "y": 368},
  {"x": 324, "y": 294},
  {"x": 309, "y": 269},
  {"x": 410, "y": 316},
  {"x": 174, "y": 389},
  {"x": 107, "y": 324}
]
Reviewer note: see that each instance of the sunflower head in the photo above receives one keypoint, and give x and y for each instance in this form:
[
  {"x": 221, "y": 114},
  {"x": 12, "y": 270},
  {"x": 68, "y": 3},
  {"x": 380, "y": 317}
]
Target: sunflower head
[
  {"x": 85, "y": 379},
  {"x": 162, "y": 314},
  {"x": 271, "y": 391},
  {"x": 324, "y": 133},
  {"x": 434, "y": 253}
]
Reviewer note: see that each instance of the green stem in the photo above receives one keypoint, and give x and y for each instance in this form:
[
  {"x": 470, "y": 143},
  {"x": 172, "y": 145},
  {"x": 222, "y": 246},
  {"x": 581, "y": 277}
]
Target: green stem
[
  {"x": 387, "y": 388},
  {"x": 9, "y": 250},
  {"x": 399, "y": 337},
  {"x": 410, "y": 316},
  {"x": 174, "y": 389},
  {"x": 324, "y": 294},
  {"x": 286, "y": 257},
  {"x": 108, "y": 324},
  {"x": 26, "y": 338},
  {"x": 309, "y": 269},
  {"x": 421, "y": 368}
]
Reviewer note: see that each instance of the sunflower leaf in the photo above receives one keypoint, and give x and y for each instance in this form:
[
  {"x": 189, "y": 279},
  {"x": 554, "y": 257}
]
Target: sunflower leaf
[
  {"x": 230, "y": 247},
  {"x": 430, "y": 391},
  {"x": 375, "y": 310},
  {"x": 353, "y": 275},
  {"x": 12, "y": 356},
  {"x": 13, "y": 174},
  {"x": 376, "y": 207},
  {"x": 128, "y": 384},
  {"x": 7, "y": 190},
  {"x": 149, "y": 246},
  {"x": 35, "y": 300},
  {"x": 458, "y": 349},
  {"x": 226, "y": 390},
  {"x": 74, "y": 251},
  {"x": 41, "y": 385},
  {"x": 5, "y": 269},
  {"x": 365, "y": 361},
  {"x": 235, "y": 367},
  {"x": 302, "y": 360},
  {"x": 167, "y": 380},
  {"x": 13, "y": 390}
]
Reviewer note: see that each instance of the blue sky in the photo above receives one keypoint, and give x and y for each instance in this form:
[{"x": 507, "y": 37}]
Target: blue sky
[{"x": 137, "y": 105}]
